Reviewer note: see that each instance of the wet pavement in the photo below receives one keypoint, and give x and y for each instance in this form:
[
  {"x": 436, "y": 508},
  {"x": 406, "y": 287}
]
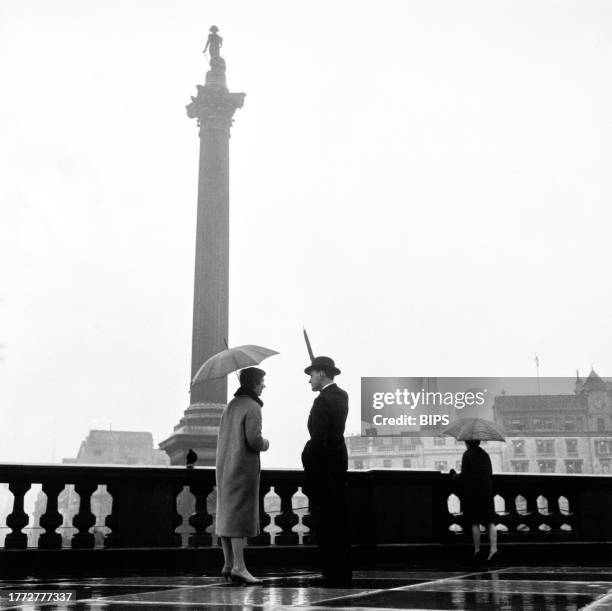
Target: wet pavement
[{"x": 508, "y": 588}]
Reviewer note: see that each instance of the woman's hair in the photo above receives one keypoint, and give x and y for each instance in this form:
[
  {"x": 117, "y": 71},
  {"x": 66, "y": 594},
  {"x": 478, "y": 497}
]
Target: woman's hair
[
  {"x": 251, "y": 377},
  {"x": 472, "y": 443}
]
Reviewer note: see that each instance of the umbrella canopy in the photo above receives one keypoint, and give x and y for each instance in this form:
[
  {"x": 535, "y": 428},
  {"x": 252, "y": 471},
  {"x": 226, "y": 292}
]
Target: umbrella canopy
[
  {"x": 467, "y": 429},
  {"x": 232, "y": 359}
]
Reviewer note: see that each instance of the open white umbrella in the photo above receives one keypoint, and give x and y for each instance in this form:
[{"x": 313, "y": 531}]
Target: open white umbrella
[
  {"x": 467, "y": 429},
  {"x": 232, "y": 359}
]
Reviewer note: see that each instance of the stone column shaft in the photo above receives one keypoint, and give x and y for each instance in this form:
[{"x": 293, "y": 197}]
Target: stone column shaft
[
  {"x": 211, "y": 286},
  {"x": 213, "y": 107}
]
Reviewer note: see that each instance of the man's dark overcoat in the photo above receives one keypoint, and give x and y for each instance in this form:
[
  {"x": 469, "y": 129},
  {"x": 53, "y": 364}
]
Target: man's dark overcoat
[
  {"x": 326, "y": 449},
  {"x": 325, "y": 463}
]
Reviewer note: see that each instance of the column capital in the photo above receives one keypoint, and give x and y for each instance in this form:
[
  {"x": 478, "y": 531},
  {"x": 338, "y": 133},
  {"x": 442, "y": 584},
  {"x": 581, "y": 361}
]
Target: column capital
[{"x": 214, "y": 107}]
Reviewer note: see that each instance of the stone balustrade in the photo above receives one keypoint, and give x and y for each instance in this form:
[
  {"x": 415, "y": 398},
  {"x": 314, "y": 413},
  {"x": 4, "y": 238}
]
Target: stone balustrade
[{"x": 387, "y": 507}]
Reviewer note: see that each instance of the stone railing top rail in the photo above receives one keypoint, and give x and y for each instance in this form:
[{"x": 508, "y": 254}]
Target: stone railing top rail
[{"x": 70, "y": 472}]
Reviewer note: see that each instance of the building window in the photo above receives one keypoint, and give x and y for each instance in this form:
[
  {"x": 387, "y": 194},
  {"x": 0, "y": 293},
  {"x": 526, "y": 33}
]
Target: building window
[
  {"x": 601, "y": 424},
  {"x": 409, "y": 442},
  {"x": 603, "y": 446},
  {"x": 519, "y": 447},
  {"x": 569, "y": 423},
  {"x": 537, "y": 424},
  {"x": 546, "y": 466},
  {"x": 458, "y": 465},
  {"x": 406, "y": 463},
  {"x": 358, "y": 464},
  {"x": 439, "y": 441},
  {"x": 573, "y": 466},
  {"x": 441, "y": 465},
  {"x": 545, "y": 446},
  {"x": 358, "y": 444},
  {"x": 571, "y": 446},
  {"x": 605, "y": 465},
  {"x": 387, "y": 463},
  {"x": 518, "y": 424},
  {"x": 548, "y": 424},
  {"x": 520, "y": 466}
]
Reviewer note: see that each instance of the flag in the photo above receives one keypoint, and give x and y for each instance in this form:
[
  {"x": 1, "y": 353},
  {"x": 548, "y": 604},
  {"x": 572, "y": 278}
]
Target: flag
[{"x": 308, "y": 346}]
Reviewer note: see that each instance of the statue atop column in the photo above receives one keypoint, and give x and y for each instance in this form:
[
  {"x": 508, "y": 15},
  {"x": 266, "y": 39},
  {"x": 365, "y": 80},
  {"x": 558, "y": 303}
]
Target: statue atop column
[
  {"x": 214, "y": 43},
  {"x": 214, "y": 106}
]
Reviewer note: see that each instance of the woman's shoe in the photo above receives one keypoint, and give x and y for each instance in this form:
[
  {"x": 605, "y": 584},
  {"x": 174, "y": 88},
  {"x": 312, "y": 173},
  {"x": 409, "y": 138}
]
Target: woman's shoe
[
  {"x": 226, "y": 573},
  {"x": 246, "y": 579},
  {"x": 493, "y": 559}
]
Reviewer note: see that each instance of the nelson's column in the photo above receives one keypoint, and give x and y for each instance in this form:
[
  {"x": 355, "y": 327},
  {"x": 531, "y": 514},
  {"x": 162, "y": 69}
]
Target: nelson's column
[{"x": 214, "y": 108}]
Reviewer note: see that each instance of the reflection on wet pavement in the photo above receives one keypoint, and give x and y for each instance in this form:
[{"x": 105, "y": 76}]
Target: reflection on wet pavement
[{"x": 510, "y": 588}]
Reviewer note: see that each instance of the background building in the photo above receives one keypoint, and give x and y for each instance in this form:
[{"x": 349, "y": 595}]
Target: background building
[
  {"x": 385, "y": 450},
  {"x": 558, "y": 433},
  {"x": 408, "y": 452},
  {"x": 545, "y": 433},
  {"x": 118, "y": 448}
]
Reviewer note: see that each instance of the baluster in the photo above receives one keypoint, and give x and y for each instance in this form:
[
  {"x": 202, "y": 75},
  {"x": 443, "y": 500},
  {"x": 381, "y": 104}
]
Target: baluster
[
  {"x": 263, "y": 538},
  {"x": 211, "y": 507},
  {"x": 508, "y": 517},
  {"x": 308, "y": 538},
  {"x": 570, "y": 517},
  {"x": 556, "y": 518},
  {"x": 287, "y": 518},
  {"x": 200, "y": 519},
  {"x": 112, "y": 539},
  {"x": 177, "y": 518},
  {"x": 533, "y": 518},
  {"x": 300, "y": 508},
  {"x": 85, "y": 518},
  {"x": 18, "y": 518},
  {"x": 52, "y": 518}
]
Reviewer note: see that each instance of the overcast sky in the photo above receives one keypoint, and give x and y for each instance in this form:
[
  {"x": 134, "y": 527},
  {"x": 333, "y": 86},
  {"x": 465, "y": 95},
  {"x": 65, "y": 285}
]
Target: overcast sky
[{"x": 425, "y": 185}]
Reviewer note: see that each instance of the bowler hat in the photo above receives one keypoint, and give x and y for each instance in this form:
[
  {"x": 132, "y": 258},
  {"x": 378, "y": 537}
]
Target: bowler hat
[{"x": 323, "y": 363}]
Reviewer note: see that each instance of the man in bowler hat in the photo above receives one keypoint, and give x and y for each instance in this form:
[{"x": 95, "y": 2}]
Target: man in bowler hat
[{"x": 325, "y": 463}]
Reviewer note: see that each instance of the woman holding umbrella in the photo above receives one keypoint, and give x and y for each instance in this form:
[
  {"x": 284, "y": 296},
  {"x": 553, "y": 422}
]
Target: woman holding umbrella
[
  {"x": 476, "y": 480},
  {"x": 238, "y": 447},
  {"x": 237, "y": 470}
]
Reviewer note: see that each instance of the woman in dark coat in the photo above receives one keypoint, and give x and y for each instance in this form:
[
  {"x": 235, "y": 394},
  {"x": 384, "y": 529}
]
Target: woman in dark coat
[
  {"x": 476, "y": 481},
  {"x": 237, "y": 473}
]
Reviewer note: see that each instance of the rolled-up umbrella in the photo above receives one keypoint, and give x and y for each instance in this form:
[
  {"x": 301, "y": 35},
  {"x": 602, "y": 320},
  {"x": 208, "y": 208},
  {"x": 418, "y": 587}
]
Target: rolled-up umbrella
[
  {"x": 232, "y": 359},
  {"x": 308, "y": 346},
  {"x": 472, "y": 429}
]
